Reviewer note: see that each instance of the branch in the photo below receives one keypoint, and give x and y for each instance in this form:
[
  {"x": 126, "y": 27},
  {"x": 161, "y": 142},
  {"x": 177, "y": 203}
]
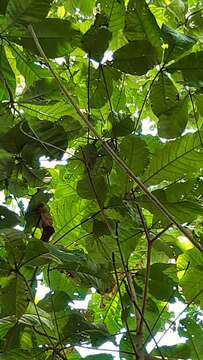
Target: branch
[
  {"x": 123, "y": 309},
  {"x": 110, "y": 151}
]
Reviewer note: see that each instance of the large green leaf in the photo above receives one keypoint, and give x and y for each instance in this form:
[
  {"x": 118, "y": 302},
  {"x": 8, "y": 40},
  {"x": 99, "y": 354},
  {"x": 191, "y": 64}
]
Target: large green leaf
[
  {"x": 115, "y": 15},
  {"x": 178, "y": 43},
  {"x": 135, "y": 153},
  {"x": 92, "y": 187},
  {"x": 191, "y": 67},
  {"x": 171, "y": 111},
  {"x": 8, "y": 218},
  {"x": 57, "y": 37},
  {"x": 183, "y": 210},
  {"x": 172, "y": 123},
  {"x": 7, "y": 78},
  {"x": 175, "y": 160},
  {"x": 14, "y": 296},
  {"x": 140, "y": 23},
  {"x": 135, "y": 58},
  {"x": 22, "y": 11},
  {"x": 192, "y": 260},
  {"x": 163, "y": 95},
  {"x": 101, "y": 86}
]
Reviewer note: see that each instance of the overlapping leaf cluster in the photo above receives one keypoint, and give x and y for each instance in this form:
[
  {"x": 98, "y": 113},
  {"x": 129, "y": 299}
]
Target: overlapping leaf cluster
[{"x": 135, "y": 70}]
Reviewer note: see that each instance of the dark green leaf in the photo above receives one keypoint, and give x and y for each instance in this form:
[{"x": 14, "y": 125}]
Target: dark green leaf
[
  {"x": 57, "y": 37},
  {"x": 135, "y": 58},
  {"x": 178, "y": 43},
  {"x": 122, "y": 124},
  {"x": 140, "y": 24},
  {"x": 8, "y": 218},
  {"x": 191, "y": 67},
  {"x": 26, "y": 12},
  {"x": 135, "y": 153},
  {"x": 95, "y": 42},
  {"x": 92, "y": 187}
]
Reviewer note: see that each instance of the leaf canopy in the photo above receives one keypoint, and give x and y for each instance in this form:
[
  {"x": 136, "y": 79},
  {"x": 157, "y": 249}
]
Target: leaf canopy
[{"x": 101, "y": 182}]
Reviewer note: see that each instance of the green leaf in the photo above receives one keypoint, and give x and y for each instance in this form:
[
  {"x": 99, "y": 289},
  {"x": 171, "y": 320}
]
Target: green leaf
[
  {"x": 135, "y": 153},
  {"x": 161, "y": 286},
  {"x": 78, "y": 330},
  {"x": 57, "y": 37},
  {"x": 14, "y": 297},
  {"x": 173, "y": 122},
  {"x": 93, "y": 187},
  {"x": 6, "y": 164},
  {"x": 57, "y": 301},
  {"x": 165, "y": 103},
  {"x": 178, "y": 43},
  {"x": 163, "y": 95},
  {"x": 191, "y": 67},
  {"x": 122, "y": 124},
  {"x": 192, "y": 261},
  {"x": 101, "y": 87},
  {"x": 178, "y": 351},
  {"x": 3, "y": 6},
  {"x": 86, "y": 7},
  {"x": 140, "y": 24},
  {"x": 26, "y": 12},
  {"x": 96, "y": 41},
  {"x": 8, "y": 218},
  {"x": 175, "y": 160},
  {"x": 184, "y": 211},
  {"x": 135, "y": 58},
  {"x": 51, "y": 141},
  {"x": 7, "y": 78}
]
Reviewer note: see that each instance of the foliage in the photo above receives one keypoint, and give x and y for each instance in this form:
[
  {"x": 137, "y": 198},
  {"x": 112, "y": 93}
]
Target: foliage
[{"x": 79, "y": 81}]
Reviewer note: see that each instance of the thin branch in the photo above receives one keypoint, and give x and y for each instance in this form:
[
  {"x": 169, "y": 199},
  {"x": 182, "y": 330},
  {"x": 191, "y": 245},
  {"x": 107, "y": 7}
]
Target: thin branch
[
  {"x": 55, "y": 318},
  {"x": 148, "y": 265},
  {"x": 161, "y": 232},
  {"x": 123, "y": 309},
  {"x": 110, "y": 151},
  {"x": 146, "y": 323}
]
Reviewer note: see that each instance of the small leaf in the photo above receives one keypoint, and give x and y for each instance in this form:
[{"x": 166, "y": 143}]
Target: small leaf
[{"x": 135, "y": 58}]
